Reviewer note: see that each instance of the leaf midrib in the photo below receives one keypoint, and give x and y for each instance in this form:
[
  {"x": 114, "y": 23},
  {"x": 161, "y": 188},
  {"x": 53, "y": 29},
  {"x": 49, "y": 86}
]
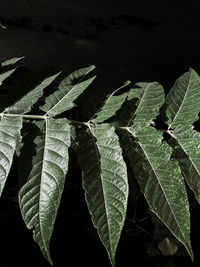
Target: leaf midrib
[
  {"x": 135, "y": 112},
  {"x": 99, "y": 165},
  {"x": 42, "y": 171},
  {"x": 186, "y": 92}
]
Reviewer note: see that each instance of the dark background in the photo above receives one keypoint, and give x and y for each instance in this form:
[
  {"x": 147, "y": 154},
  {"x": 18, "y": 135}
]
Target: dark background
[{"x": 137, "y": 40}]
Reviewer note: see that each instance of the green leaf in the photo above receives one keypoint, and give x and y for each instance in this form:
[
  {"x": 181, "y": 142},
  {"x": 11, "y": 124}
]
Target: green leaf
[
  {"x": 11, "y": 61},
  {"x": 5, "y": 75},
  {"x": 112, "y": 104},
  {"x": 160, "y": 180},
  {"x": 9, "y": 136},
  {"x": 105, "y": 183},
  {"x": 150, "y": 99},
  {"x": 182, "y": 110},
  {"x": 25, "y": 104},
  {"x": 68, "y": 91},
  {"x": 159, "y": 177},
  {"x": 187, "y": 152},
  {"x": 183, "y": 100},
  {"x": 40, "y": 195}
]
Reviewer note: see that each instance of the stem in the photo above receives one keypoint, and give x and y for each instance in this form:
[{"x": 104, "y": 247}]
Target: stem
[
  {"x": 35, "y": 117},
  {"x": 44, "y": 117}
]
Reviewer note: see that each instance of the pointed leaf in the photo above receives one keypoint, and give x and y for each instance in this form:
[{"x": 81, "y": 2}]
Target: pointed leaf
[
  {"x": 187, "y": 152},
  {"x": 25, "y": 104},
  {"x": 68, "y": 91},
  {"x": 9, "y": 135},
  {"x": 40, "y": 195},
  {"x": 160, "y": 180},
  {"x": 11, "y": 61},
  {"x": 182, "y": 111},
  {"x": 112, "y": 104},
  {"x": 151, "y": 98},
  {"x": 105, "y": 183},
  {"x": 5, "y": 75},
  {"x": 183, "y": 100}
]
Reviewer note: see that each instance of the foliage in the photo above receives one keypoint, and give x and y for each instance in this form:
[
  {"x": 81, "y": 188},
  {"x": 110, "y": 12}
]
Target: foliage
[{"x": 123, "y": 135}]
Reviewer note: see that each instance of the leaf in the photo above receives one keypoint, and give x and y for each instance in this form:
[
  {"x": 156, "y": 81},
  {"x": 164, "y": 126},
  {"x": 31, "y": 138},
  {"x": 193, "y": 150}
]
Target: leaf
[
  {"x": 25, "y": 104},
  {"x": 150, "y": 99},
  {"x": 187, "y": 152},
  {"x": 183, "y": 100},
  {"x": 68, "y": 91},
  {"x": 5, "y": 75},
  {"x": 11, "y": 61},
  {"x": 159, "y": 177},
  {"x": 112, "y": 104},
  {"x": 182, "y": 110},
  {"x": 105, "y": 183},
  {"x": 160, "y": 180},
  {"x": 9, "y": 135},
  {"x": 40, "y": 195}
]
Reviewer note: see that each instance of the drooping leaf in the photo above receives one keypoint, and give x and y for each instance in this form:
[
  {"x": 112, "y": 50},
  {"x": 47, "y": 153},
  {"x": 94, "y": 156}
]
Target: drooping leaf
[
  {"x": 183, "y": 100},
  {"x": 159, "y": 177},
  {"x": 40, "y": 195},
  {"x": 11, "y": 61},
  {"x": 112, "y": 104},
  {"x": 5, "y": 75},
  {"x": 187, "y": 152},
  {"x": 25, "y": 104},
  {"x": 160, "y": 180},
  {"x": 182, "y": 110},
  {"x": 68, "y": 91},
  {"x": 9, "y": 135},
  {"x": 105, "y": 183}
]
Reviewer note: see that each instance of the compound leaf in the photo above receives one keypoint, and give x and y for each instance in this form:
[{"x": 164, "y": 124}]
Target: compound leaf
[
  {"x": 159, "y": 177},
  {"x": 105, "y": 183},
  {"x": 9, "y": 136},
  {"x": 69, "y": 89},
  {"x": 40, "y": 194},
  {"x": 25, "y": 104}
]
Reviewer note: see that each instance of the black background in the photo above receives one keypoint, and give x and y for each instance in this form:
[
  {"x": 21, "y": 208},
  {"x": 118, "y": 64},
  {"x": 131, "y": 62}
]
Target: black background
[{"x": 136, "y": 40}]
